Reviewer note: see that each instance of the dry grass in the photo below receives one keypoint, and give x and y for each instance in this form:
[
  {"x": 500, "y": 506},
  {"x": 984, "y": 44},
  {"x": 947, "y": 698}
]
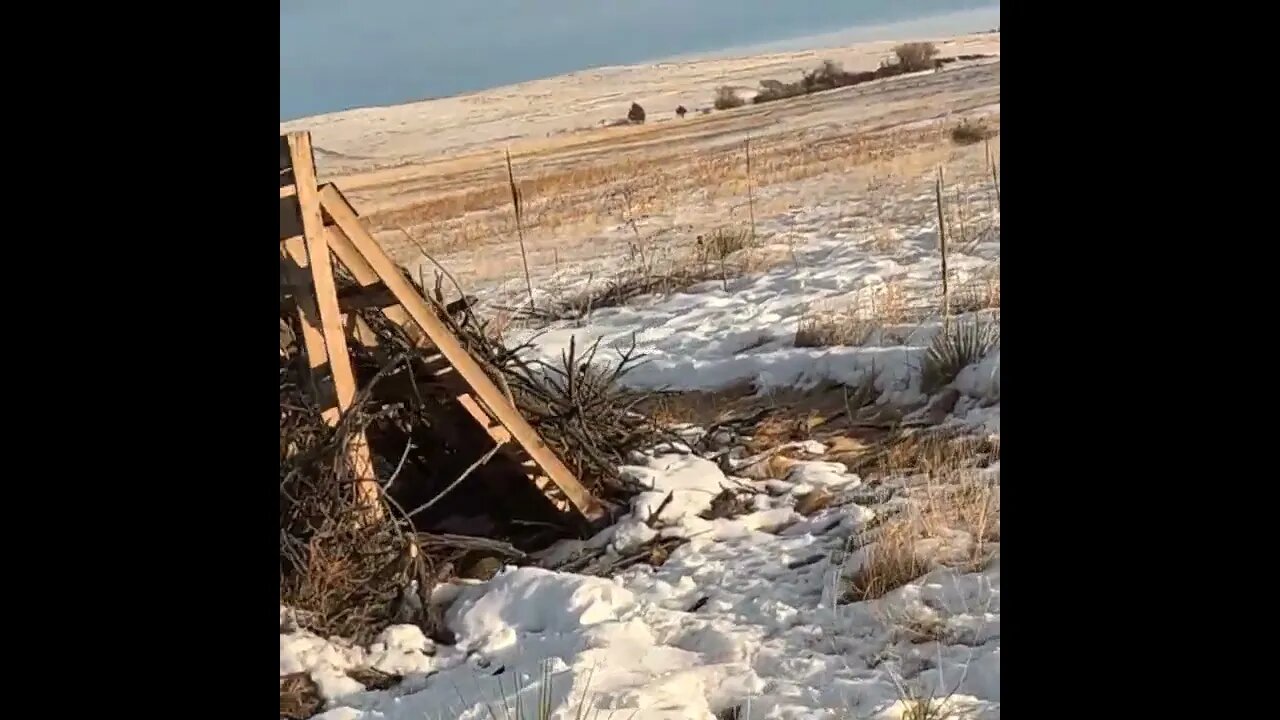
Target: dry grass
[
  {"x": 969, "y": 133},
  {"x": 890, "y": 563},
  {"x": 558, "y": 196},
  {"x": 702, "y": 408},
  {"x": 953, "y": 525},
  {"x": 915, "y": 56},
  {"x": 962, "y": 345},
  {"x": 979, "y": 294},
  {"x": 926, "y": 708},
  {"x": 727, "y": 98},
  {"x": 885, "y": 240},
  {"x": 934, "y": 454},
  {"x": 653, "y": 269},
  {"x": 827, "y": 330},
  {"x": 951, "y": 520},
  {"x": 299, "y": 696},
  {"x": 482, "y": 244},
  {"x": 854, "y": 324}
]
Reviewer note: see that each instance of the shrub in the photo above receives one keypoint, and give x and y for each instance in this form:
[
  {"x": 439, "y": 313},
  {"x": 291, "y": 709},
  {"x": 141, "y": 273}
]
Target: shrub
[
  {"x": 916, "y": 55},
  {"x": 843, "y": 329},
  {"x": 681, "y": 110},
  {"x": 775, "y": 90},
  {"x": 636, "y": 115},
  {"x": 727, "y": 98},
  {"x": 951, "y": 352},
  {"x": 967, "y": 133},
  {"x": 723, "y": 242}
]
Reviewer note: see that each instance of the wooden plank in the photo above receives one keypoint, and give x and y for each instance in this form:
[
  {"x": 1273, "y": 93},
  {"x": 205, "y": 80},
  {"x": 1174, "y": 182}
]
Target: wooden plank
[
  {"x": 356, "y": 263},
  {"x": 349, "y": 256},
  {"x": 290, "y": 214},
  {"x": 290, "y": 218},
  {"x": 424, "y": 316},
  {"x": 294, "y": 267},
  {"x": 375, "y": 296},
  {"x": 322, "y": 270},
  {"x": 497, "y": 432},
  {"x": 356, "y": 327},
  {"x": 344, "y": 381}
]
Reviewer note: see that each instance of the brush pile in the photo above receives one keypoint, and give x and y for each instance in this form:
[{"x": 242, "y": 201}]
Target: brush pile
[
  {"x": 578, "y": 405},
  {"x": 446, "y": 498},
  {"x": 344, "y": 570}
]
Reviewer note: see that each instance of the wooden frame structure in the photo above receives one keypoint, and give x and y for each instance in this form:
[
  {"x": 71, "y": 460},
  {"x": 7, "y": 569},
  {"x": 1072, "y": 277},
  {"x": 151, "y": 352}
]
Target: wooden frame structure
[{"x": 317, "y": 226}]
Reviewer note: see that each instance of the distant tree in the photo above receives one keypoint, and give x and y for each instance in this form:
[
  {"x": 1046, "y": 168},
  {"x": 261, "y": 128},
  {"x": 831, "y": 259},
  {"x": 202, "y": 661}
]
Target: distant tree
[
  {"x": 916, "y": 56},
  {"x": 637, "y": 113},
  {"x": 726, "y": 98},
  {"x": 681, "y": 111}
]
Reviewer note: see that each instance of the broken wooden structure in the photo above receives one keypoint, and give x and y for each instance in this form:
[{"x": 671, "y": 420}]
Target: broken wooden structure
[{"x": 319, "y": 226}]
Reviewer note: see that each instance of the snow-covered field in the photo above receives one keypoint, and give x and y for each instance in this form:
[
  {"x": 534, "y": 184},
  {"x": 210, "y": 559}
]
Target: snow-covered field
[
  {"x": 748, "y": 617},
  {"x": 744, "y": 615}
]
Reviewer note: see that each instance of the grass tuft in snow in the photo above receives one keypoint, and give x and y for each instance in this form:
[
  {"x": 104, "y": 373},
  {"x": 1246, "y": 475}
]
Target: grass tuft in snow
[
  {"x": 952, "y": 351},
  {"x": 723, "y": 242},
  {"x": 829, "y": 330},
  {"x": 891, "y": 562},
  {"x": 952, "y": 521},
  {"x": 855, "y": 325},
  {"x": 935, "y": 453},
  {"x": 980, "y": 294},
  {"x": 299, "y": 696},
  {"x": 926, "y": 707},
  {"x": 514, "y": 707}
]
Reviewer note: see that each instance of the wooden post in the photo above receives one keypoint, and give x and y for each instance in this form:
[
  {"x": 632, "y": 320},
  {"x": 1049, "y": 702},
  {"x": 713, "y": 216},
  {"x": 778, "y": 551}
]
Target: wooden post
[
  {"x": 751, "y": 203},
  {"x": 326, "y": 297},
  {"x": 295, "y": 265},
  {"x": 942, "y": 247}
]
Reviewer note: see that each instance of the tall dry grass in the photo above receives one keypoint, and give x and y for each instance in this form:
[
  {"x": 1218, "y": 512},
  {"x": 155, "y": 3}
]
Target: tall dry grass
[{"x": 951, "y": 519}]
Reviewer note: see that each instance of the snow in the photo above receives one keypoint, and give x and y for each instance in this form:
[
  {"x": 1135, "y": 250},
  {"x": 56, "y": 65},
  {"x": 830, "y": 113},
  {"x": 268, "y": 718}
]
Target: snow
[
  {"x": 708, "y": 338},
  {"x": 643, "y": 645}
]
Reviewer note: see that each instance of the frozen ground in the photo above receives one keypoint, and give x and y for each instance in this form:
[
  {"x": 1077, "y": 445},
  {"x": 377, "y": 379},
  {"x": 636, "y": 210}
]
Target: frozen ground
[{"x": 741, "y": 616}]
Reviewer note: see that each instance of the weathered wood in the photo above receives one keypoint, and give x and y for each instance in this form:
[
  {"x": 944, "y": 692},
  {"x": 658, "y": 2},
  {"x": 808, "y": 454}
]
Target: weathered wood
[
  {"x": 291, "y": 216},
  {"x": 294, "y": 267},
  {"x": 423, "y": 315},
  {"x": 376, "y": 296},
  {"x": 359, "y": 267},
  {"x": 496, "y": 431},
  {"x": 326, "y": 294}
]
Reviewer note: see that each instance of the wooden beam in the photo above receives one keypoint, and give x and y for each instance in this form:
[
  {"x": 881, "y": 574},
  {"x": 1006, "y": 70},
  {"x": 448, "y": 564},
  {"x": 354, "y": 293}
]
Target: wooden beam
[
  {"x": 424, "y": 316},
  {"x": 294, "y": 264},
  {"x": 322, "y": 270},
  {"x": 356, "y": 263},
  {"x": 313, "y": 231},
  {"x": 497, "y": 432},
  {"x": 375, "y": 296}
]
